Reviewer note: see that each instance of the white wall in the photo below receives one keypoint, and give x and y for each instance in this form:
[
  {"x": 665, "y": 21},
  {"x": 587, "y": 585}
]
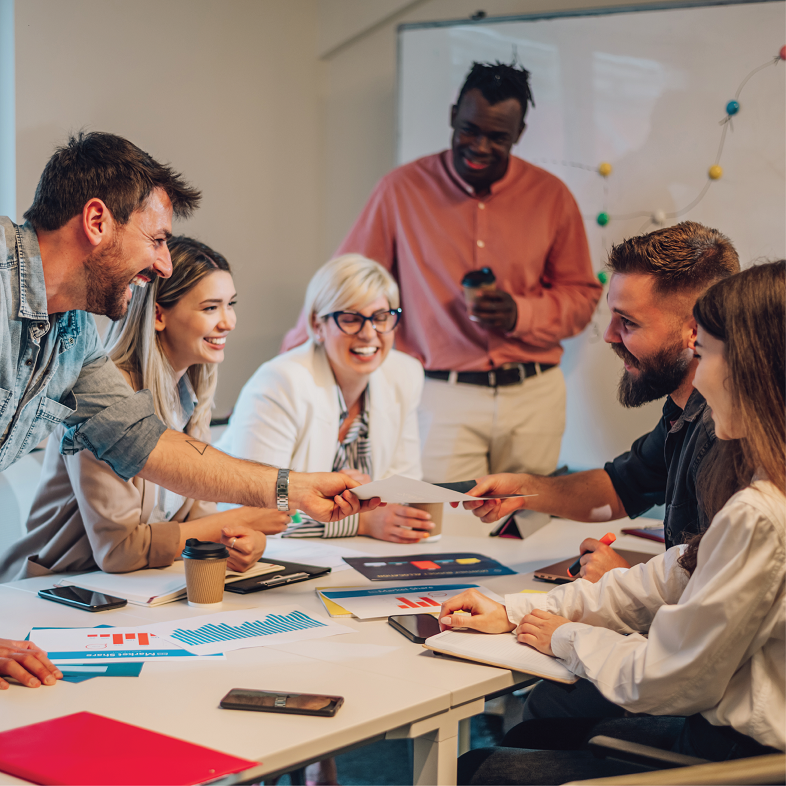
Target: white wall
[{"x": 229, "y": 93}]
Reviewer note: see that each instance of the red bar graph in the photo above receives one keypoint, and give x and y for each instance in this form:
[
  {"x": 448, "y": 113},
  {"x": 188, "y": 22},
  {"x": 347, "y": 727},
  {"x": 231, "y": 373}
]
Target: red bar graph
[
  {"x": 130, "y": 635},
  {"x": 143, "y": 640},
  {"x": 407, "y": 604},
  {"x": 92, "y": 635},
  {"x": 428, "y": 602},
  {"x": 104, "y": 635},
  {"x": 117, "y": 638}
]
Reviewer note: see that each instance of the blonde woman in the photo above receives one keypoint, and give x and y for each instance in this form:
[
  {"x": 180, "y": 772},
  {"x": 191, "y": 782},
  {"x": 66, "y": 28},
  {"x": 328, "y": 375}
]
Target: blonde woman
[
  {"x": 84, "y": 516},
  {"x": 343, "y": 401}
]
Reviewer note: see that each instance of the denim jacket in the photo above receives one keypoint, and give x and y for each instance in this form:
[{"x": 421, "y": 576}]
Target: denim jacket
[
  {"x": 53, "y": 369},
  {"x": 661, "y": 467}
]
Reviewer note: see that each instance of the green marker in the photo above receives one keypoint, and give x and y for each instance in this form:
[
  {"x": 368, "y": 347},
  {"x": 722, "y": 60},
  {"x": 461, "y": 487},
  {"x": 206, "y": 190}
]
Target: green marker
[{"x": 296, "y": 517}]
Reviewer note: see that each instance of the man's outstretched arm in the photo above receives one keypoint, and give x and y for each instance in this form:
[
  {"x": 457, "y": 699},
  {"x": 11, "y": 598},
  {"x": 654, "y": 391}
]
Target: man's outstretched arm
[
  {"x": 582, "y": 496},
  {"x": 193, "y": 468}
]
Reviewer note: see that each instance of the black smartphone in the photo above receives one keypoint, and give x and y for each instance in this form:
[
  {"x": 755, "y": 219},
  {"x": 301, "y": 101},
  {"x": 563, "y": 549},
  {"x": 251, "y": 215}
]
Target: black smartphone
[
  {"x": 278, "y": 701},
  {"x": 417, "y": 627},
  {"x": 82, "y": 598}
]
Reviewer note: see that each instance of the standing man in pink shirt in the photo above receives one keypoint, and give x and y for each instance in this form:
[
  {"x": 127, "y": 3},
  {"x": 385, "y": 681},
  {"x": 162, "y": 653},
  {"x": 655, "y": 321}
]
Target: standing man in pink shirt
[{"x": 494, "y": 396}]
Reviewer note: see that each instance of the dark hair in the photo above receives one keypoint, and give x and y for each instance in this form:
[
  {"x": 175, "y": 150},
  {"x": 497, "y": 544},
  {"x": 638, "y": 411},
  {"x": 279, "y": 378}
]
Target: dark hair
[
  {"x": 107, "y": 167},
  {"x": 191, "y": 262},
  {"x": 687, "y": 257},
  {"x": 499, "y": 82},
  {"x": 747, "y": 312}
]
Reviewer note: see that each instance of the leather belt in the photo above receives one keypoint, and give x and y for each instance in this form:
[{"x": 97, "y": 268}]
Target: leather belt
[{"x": 510, "y": 374}]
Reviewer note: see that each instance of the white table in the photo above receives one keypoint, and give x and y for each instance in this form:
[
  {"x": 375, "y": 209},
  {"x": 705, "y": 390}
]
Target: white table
[{"x": 393, "y": 688}]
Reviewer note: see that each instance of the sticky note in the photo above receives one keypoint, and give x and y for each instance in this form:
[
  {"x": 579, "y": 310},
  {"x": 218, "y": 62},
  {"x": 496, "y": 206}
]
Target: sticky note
[{"x": 468, "y": 561}]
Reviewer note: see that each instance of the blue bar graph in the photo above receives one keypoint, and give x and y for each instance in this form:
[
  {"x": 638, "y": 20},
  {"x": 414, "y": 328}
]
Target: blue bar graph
[{"x": 273, "y": 623}]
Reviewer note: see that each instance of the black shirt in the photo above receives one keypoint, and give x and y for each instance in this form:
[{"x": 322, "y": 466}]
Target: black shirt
[{"x": 661, "y": 467}]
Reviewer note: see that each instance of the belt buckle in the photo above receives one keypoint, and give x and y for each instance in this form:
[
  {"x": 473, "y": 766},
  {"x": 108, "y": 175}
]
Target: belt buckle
[
  {"x": 492, "y": 379},
  {"x": 522, "y": 372}
]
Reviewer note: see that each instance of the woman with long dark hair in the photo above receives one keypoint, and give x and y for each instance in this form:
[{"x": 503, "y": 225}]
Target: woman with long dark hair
[{"x": 714, "y": 611}]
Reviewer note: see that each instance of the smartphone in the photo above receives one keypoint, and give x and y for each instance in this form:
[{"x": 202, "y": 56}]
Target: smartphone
[
  {"x": 82, "y": 598},
  {"x": 416, "y": 627},
  {"x": 278, "y": 701}
]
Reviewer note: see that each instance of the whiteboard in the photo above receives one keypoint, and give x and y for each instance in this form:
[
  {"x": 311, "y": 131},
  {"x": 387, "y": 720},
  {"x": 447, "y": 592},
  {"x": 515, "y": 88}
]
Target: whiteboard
[{"x": 645, "y": 91}]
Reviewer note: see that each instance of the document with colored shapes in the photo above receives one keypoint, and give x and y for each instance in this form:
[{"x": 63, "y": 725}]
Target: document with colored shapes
[
  {"x": 387, "y": 601},
  {"x": 427, "y": 567}
]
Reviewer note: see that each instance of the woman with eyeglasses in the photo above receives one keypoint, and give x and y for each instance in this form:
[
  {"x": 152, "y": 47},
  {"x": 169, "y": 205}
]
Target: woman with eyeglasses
[{"x": 344, "y": 401}]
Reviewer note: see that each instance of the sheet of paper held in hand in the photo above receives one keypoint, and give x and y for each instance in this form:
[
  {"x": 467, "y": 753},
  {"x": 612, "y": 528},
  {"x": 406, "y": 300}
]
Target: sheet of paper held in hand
[{"x": 403, "y": 490}]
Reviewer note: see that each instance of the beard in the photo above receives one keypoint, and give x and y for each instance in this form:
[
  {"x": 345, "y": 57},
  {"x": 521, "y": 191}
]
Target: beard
[
  {"x": 658, "y": 375},
  {"x": 106, "y": 281}
]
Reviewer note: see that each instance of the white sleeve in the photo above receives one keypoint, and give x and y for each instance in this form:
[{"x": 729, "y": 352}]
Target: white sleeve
[
  {"x": 695, "y": 645},
  {"x": 264, "y": 424},
  {"x": 624, "y": 600}
]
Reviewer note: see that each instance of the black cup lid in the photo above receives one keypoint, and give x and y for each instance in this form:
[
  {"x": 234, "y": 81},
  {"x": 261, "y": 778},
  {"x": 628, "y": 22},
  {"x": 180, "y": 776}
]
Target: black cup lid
[
  {"x": 204, "y": 549},
  {"x": 477, "y": 278}
]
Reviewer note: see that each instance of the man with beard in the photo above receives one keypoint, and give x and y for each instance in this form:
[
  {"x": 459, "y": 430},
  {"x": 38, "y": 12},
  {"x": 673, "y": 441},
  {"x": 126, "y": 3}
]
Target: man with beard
[
  {"x": 656, "y": 280},
  {"x": 99, "y": 225}
]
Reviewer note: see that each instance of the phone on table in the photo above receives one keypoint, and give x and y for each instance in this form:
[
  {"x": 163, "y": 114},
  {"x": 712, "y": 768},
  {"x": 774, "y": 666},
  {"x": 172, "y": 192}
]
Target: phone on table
[
  {"x": 82, "y": 598},
  {"x": 416, "y": 627},
  {"x": 278, "y": 701}
]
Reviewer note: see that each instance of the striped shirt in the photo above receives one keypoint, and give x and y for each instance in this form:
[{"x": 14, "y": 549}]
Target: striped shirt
[{"x": 354, "y": 452}]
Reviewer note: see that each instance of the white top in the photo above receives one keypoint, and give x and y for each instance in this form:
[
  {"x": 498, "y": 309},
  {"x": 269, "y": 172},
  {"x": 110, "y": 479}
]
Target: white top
[
  {"x": 715, "y": 642},
  {"x": 288, "y": 413}
]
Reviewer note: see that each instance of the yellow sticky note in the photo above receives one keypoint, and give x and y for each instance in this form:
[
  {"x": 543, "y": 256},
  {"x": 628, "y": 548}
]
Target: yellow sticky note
[{"x": 468, "y": 561}]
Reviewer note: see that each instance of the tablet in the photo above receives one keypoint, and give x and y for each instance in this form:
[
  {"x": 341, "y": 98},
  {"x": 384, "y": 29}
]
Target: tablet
[{"x": 558, "y": 572}]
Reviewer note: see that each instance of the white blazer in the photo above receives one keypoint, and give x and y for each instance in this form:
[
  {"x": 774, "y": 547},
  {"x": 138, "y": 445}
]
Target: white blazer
[{"x": 288, "y": 413}]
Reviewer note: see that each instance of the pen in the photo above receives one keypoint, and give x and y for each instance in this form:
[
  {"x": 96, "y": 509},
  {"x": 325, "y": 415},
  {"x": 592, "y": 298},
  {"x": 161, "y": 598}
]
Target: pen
[{"x": 574, "y": 569}]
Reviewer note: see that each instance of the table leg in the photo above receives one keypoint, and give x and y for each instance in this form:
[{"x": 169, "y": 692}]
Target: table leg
[{"x": 464, "y": 731}]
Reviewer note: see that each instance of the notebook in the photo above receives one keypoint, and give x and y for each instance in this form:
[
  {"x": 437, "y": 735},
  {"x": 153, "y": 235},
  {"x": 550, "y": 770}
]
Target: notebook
[
  {"x": 152, "y": 586},
  {"x": 89, "y": 749},
  {"x": 499, "y": 649}
]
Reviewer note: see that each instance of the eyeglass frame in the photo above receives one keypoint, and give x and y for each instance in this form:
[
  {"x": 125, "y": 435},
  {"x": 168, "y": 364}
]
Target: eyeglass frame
[{"x": 397, "y": 312}]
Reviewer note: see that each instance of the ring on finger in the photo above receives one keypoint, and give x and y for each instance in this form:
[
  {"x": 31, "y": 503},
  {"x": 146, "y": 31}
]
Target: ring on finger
[{"x": 232, "y": 544}]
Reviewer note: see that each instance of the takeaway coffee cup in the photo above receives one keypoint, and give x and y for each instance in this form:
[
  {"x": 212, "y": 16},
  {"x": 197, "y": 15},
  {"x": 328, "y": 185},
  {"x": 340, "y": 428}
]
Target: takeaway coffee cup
[
  {"x": 435, "y": 509},
  {"x": 475, "y": 282},
  {"x": 206, "y": 567}
]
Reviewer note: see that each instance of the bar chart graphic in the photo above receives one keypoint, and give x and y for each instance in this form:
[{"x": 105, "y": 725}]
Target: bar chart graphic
[
  {"x": 236, "y": 630},
  {"x": 417, "y": 603},
  {"x": 272, "y": 624}
]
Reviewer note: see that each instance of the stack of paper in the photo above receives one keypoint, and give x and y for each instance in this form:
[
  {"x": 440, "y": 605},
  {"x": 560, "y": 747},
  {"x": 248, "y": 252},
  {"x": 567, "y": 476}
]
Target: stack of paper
[
  {"x": 153, "y": 586},
  {"x": 372, "y": 603}
]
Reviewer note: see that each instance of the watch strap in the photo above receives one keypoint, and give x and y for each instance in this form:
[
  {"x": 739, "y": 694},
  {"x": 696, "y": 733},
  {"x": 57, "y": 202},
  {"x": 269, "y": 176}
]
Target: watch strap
[{"x": 282, "y": 490}]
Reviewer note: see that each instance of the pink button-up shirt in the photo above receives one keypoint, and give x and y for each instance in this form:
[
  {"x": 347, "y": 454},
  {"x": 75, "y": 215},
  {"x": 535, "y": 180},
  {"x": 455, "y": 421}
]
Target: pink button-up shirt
[{"x": 427, "y": 226}]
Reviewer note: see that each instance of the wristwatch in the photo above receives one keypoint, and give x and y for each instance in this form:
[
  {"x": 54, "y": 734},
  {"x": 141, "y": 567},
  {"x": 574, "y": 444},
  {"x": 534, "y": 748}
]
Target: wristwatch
[{"x": 282, "y": 490}]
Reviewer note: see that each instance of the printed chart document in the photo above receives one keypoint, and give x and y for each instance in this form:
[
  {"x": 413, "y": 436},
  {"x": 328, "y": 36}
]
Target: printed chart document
[
  {"x": 403, "y": 490},
  {"x": 499, "y": 649},
  {"x": 107, "y": 645},
  {"x": 310, "y": 551},
  {"x": 237, "y": 630},
  {"x": 152, "y": 586},
  {"x": 386, "y": 601}
]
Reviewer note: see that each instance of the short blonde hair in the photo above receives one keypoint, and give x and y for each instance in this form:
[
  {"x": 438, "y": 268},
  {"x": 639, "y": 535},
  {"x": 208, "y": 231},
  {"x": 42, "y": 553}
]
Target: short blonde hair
[{"x": 348, "y": 282}]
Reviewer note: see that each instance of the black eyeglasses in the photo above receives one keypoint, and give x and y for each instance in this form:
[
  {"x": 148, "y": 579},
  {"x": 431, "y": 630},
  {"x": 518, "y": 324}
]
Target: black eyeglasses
[{"x": 351, "y": 323}]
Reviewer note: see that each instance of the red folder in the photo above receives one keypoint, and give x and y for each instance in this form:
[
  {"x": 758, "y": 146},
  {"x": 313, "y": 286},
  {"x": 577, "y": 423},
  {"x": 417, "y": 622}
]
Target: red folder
[{"x": 86, "y": 749}]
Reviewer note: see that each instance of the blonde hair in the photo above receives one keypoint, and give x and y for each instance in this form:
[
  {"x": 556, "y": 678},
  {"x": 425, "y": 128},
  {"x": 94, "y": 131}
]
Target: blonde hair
[
  {"x": 347, "y": 282},
  {"x": 134, "y": 345}
]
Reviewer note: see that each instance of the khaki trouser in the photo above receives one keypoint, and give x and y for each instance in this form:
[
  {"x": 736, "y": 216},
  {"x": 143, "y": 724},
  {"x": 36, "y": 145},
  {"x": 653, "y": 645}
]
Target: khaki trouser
[{"x": 468, "y": 431}]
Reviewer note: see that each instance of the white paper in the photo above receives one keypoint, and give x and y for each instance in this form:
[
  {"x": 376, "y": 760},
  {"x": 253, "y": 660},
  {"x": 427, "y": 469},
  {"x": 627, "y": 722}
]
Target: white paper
[
  {"x": 388, "y": 601},
  {"x": 401, "y": 490},
  {"x": 237, "y": 630},
  {"x": 66, "y": 646},
  {"x": 310, "y": 551}
]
